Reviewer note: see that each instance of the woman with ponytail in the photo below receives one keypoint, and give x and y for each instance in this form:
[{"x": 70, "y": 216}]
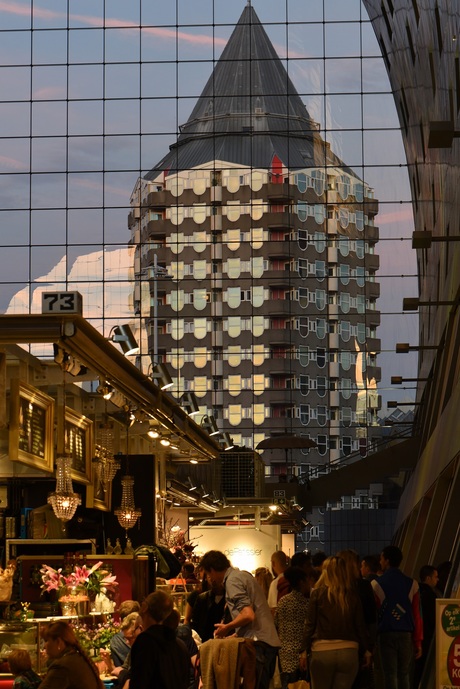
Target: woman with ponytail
[
  {"x": 68, "y": 665},
  {"x": 335, "y": 634}
]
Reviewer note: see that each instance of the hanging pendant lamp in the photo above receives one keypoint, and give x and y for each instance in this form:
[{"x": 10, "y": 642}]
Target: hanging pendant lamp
[
  {"x": 64, "y": 501},
  {"x": 127, "y": 514}
]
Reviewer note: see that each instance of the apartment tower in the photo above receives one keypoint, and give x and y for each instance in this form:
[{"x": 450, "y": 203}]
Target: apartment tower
[{"x": 257, "y": 247}]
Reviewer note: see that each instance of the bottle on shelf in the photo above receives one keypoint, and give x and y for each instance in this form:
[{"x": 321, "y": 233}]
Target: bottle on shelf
[
  {"x": 109, "y": 547},
  {"x": 118, "y": 549},
  {"x": 129, "y": 550}
]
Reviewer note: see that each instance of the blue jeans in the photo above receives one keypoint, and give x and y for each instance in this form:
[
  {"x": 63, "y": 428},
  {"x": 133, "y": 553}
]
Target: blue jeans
[
  {"x": 396, "y": 657},
  {"x": 334, "y": 669},
  {"x": 265, "y": 664}
]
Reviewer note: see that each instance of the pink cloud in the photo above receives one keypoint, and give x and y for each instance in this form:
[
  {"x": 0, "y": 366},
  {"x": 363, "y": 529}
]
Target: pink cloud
[
  {"x": 88, "y": 184},
  {"x": 402, "y": 216},
  {"x": 49, "y": 93},
  {"x": 12, "y": 163},
  {"x": 159, "y": 32}
]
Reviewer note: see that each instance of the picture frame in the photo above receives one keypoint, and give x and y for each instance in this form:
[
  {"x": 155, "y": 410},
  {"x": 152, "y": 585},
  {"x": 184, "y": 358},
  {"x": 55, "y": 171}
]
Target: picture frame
[
  {"x": 96, "y": 497},
  {"x": 31, "y": 432},
  {"x": 78, "y": 443}
]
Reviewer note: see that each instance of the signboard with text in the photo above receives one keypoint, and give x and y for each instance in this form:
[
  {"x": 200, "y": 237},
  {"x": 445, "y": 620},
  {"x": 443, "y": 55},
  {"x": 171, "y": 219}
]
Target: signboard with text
[{"x": 447, "y": 643}]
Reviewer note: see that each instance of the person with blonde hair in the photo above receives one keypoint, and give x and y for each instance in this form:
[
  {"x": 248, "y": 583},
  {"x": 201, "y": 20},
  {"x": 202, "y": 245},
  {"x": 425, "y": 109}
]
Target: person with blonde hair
[
  {"x": 264, "y": 578},
  {"x": 69, "y": 667},
  {"x": 335, "y": 635},
  {"x": 21, "y": 669}
]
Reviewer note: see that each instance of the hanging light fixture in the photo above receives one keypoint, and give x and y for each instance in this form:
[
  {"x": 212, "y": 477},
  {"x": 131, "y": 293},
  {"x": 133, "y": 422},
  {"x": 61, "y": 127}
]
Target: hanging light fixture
[
  {"x": 127, "y": 514},
  {"x": 107, "y": 464},
  {"x": 64, "y": 501}
]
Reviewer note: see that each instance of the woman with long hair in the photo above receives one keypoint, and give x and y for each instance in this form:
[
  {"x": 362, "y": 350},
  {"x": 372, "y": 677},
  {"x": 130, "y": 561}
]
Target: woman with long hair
[
  {"x": 335, "y": 634},
  {"x": 68, "y": 665}
]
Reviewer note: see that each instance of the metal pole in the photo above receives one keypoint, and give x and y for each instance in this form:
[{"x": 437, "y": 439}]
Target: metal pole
[{"x": 155, "y": 309}]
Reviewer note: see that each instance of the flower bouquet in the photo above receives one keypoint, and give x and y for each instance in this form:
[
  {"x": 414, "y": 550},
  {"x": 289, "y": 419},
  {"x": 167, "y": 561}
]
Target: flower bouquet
[{"x": 75, "y": 589}]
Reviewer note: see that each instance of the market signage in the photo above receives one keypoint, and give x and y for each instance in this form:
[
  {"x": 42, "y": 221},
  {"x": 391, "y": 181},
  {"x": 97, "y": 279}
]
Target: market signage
[
  {"x": 447, "y": 643},
  {"x": 31, "y": 439}
]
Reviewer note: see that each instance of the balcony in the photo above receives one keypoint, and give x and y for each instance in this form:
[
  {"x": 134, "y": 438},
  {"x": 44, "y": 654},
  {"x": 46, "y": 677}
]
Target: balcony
[
  {"x": 283, "y": 220},
  {"x": 373, "y": 290},
  {"x": 373, "y": 344},
  {"x": 158, "y": 228},
  {"x": 279, "y": 249},
  {"x": 334, "y": 367},
  {"x": 280, "y": 192},
  {"x": 334, "y": 401},
  {"x": 333, "y": 284},
  {"x": 371, "y": 233},
  {"x": 374, "y": 372},
  {"x": 280, "y": 307},
  {"x": 160, "y": 199},
  {"x": 372, "y": 261},
  {"x": 332, "y": 254}
]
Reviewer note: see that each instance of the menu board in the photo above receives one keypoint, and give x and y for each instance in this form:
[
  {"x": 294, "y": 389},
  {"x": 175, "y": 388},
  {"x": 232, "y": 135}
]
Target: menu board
[{"x": 31, "y": 426}]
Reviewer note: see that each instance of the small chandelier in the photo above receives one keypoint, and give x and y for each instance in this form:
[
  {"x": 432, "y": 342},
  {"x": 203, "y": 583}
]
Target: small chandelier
[
  {"x": 64, "y": 501},
  {"x": 106, "y": 468},
  {"x": 127, "y": 514},
  {"x": 107, "y": 464}
]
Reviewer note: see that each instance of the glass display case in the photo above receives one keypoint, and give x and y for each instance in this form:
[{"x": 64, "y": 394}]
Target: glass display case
[{"x": 15, "y": 635}]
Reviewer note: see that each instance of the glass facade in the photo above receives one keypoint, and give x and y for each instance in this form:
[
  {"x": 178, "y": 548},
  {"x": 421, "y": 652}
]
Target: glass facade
[{"x": 271, "y": 290}]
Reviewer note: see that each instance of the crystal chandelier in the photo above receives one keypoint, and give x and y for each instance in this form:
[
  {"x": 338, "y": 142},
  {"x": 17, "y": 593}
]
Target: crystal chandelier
[
  {"x": 107, "y": 464},
  {"x": 127, "y": 514},
  {"x": 64, "y": 501}
]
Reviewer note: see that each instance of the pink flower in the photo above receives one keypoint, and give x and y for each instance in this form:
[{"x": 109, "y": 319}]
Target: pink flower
[{"x": 52, "y": 578}]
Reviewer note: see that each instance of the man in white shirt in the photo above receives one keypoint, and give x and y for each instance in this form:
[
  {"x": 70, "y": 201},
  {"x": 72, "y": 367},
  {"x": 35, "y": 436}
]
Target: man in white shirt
[{"x": 279, "y": 564}]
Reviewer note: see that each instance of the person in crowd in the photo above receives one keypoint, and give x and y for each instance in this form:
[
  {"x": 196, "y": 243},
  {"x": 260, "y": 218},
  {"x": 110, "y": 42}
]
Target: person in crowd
[
  {"x": 201, "y": 587},
  {"x": 317, "y": 560},
  {"x": 129, "y": 627},
  {"x": 119, "y": 643},
  {"x": 123, "y": 672},
  {"x": 209, "y": 610},
  {"x": 302, "y": 559},
  {"x": 68, "y": 665},
  {"x": 264, "y": 578},
  {"x": 188, "y": 572},
  {"x": 290, "y": 616},
  {"x": 370, "y": 567},
  {"x": 158, "y": 658},
  {"x": 365, "y": 592},
  {"x": 443, "y": 570},
  {"x": 335, "y": 635},
  {"x": 21, "y": 669},
  {"x": 428, "y": 582},
  {"x": 399, "y": 626},
  {"x": 279, "y": 586},
  {"x": 248, "y": 608},
  {"x": 184, "y": 633}
]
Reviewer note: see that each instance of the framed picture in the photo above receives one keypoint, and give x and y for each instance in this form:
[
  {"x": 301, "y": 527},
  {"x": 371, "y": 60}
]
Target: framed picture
[
  {"x": 78, "y": 443},
  {"x": 31, "y": 435},
  {"x": 99, "y": 496}
]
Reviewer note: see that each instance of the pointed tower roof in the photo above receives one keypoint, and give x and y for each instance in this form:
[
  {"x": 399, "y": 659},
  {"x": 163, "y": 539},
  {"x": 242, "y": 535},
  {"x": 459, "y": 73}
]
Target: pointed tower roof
[{"x": 249, "y": 111}]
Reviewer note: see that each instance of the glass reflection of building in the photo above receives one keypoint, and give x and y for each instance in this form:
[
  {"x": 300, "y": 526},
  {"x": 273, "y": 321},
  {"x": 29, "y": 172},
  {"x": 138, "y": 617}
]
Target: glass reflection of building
[{"x": 258, "y": 244}]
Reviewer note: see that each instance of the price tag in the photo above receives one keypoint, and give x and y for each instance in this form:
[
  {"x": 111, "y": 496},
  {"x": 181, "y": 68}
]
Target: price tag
[{"x": 62, "y": 302}]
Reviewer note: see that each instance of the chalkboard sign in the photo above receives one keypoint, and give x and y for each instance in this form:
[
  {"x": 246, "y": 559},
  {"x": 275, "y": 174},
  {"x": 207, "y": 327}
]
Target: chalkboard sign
[
  {"x": 31, "y": 426},
  {"x": 78, "y": 443}
]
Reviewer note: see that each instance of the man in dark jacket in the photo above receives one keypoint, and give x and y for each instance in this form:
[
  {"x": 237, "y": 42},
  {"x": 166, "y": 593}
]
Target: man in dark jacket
[
  {"x": 159, "y": 660},
  {"x": 399, "y": 626}
]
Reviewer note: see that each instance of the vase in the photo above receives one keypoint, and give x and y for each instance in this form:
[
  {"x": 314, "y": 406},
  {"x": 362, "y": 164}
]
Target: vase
[{"x": 74, "y": 602}]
